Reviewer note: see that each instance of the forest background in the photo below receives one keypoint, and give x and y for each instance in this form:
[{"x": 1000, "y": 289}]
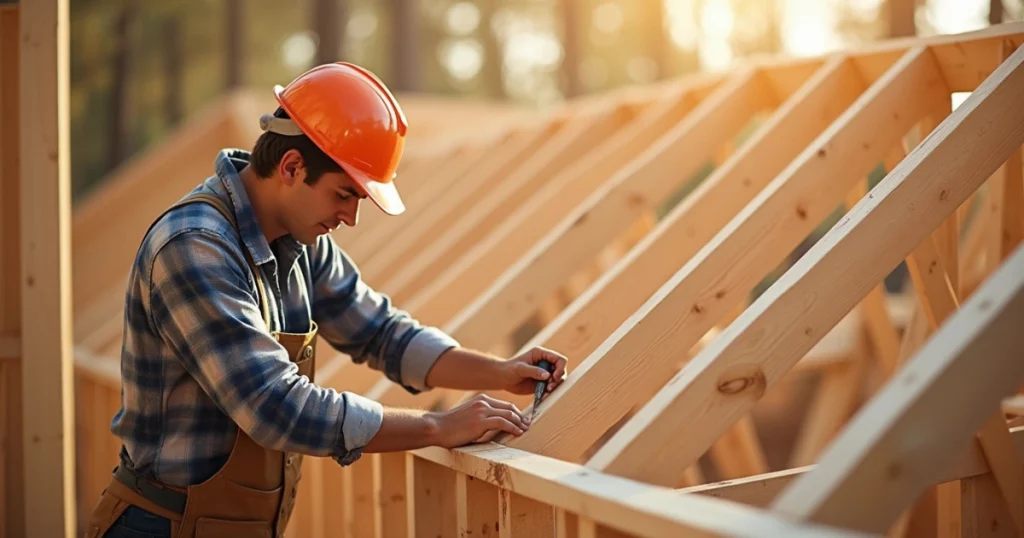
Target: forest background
[{"x": 139, "y": 68}]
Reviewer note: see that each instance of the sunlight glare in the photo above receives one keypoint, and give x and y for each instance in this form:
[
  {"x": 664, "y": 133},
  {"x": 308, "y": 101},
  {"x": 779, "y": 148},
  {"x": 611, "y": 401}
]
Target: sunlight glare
[
  {"x": 362, "y": 24},
  {"x": 462, "y": 18},
  {"x": 463, "y": 58},
  {"x": 717, "y": 19},
  {"x": 608, "y": 17},
  {"x": 298, "y": 50},
  {"x": 808, "y": 27},
  {"x": 956, "y": 16},
  {"x": 682, "y": 27}
]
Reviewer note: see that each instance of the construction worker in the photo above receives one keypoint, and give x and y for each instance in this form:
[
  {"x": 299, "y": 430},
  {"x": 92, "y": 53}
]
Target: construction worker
[{"x": 228, "y": 291}]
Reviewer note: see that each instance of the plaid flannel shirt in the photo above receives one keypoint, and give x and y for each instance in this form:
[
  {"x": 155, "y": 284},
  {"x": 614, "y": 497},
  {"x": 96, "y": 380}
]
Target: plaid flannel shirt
[{"x": 198, "y": 361}]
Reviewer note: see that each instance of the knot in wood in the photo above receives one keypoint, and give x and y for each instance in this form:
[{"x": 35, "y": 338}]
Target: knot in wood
[{"x": 743, "y": 379}]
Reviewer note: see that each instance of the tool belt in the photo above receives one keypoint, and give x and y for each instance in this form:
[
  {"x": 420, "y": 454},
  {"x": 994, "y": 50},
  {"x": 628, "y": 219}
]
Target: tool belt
[{"x": 158, "y": 494}]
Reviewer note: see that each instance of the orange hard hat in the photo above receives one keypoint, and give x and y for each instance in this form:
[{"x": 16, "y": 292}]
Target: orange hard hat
[{"x": 353, "y": 118}]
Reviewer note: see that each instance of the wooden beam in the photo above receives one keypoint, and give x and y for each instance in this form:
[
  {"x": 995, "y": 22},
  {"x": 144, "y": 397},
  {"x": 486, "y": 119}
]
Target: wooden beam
[
  {"x": 646, "y": 183},
  {"x": 919, "y": 423},
  {"x": 453, "y": 173},
  {"x": 46, "y": 366},
  {"x": 642, "y": 353},
  {"x": 471, "y": 275},
  {"x": 579, "y": 330},
  {"x": 10, "y": 347},
  {"x": 637, "y": 508},
  {"x": 392, "y": 255},
  {"x": 12, "y": 478},
  {"x": 578, "y": 136},
  {"x": 761, "y": 490},
  {"x": 726, "y": 379}
]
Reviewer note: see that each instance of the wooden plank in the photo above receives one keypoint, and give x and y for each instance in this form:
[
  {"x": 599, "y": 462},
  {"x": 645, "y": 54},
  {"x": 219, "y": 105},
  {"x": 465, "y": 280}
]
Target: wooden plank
[
  {"x": 431, "y": 498},
  {"x": 579, "y": 134},
  {"x": 522, "y": 516},
  {"x": 47, "y": 409},
  {"x": 647, "y": 182},
  {"x": 642, "y": 352},
  {"x": 471, "y": 275},
  {"x": 726, "y": 379},
  {"x": 10, "y": 347},
  {"x": 478, "y": 508},
  {"x": 932, "y": 269},
  {"x": 1007, "y": 484},
  {"x": 630, "y": 506},
  {"x": 761, "y": 490},
  {"x": 394, "y": 470},
  {"x": 681, "y": 234},
  {"x": 1013, "y": 204},
  {"x": 836, "y": 398},
  {"x": 920, "y": 423},
  {"x": 12, "y": 505},
  {"x": 393, "y": 254},
  {"x": 364, "y": 245}
]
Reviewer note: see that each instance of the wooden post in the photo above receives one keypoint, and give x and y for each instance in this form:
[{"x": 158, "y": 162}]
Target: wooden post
[
  {"x": 47, "y": 370},
  {"x": 12, "y": 518}
]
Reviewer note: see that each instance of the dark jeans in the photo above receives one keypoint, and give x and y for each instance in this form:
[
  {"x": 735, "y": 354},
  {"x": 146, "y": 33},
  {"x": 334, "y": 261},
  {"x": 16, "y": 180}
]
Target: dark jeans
[{"x": 138, "y": 523}]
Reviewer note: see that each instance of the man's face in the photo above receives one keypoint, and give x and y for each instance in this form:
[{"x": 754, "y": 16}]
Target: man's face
[{"x": 312, "y": 210}]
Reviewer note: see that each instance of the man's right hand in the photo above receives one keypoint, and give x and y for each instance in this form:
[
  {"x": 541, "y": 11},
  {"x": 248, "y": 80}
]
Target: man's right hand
[{"x": 478, "y": 420}]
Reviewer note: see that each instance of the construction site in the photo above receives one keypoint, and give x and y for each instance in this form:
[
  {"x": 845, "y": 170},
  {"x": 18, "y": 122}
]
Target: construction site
[{"x": 790, "y": 292}]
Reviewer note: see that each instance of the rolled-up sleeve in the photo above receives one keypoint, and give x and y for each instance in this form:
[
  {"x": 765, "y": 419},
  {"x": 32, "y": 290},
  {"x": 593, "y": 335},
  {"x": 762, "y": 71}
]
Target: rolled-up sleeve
[
  {"x": 363, "y": 323},
  {"x": 203, "y": 305}
]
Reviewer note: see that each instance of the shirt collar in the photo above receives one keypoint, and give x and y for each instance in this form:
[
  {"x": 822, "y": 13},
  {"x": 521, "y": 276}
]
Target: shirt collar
[{"x": 227, "y": 165}]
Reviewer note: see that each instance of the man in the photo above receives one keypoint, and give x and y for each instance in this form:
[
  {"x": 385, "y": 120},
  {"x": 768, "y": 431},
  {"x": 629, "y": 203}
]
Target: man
[{"x": 230, "y": 288}]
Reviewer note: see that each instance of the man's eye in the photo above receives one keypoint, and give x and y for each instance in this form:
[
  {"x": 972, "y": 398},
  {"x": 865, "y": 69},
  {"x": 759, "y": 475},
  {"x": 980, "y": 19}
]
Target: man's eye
[{"x": 343, "y": 197}]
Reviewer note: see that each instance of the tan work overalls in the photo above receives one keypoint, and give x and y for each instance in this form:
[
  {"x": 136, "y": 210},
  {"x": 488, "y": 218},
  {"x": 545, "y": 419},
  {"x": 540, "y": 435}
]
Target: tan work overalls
[{"x": 252, "y": 495}]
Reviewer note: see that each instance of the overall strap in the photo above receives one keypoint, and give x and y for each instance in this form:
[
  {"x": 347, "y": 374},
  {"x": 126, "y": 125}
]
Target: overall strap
[{"x": 222, "y": 207}]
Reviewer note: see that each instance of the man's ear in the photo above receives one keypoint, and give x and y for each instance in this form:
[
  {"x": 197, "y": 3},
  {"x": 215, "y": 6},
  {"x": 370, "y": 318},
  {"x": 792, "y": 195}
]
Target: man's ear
[{"x": 292, "y": 168}]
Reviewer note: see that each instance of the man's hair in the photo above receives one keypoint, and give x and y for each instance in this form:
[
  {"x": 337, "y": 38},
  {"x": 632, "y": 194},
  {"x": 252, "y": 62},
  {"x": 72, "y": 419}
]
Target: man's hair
[{"x": 271, "y": 147}]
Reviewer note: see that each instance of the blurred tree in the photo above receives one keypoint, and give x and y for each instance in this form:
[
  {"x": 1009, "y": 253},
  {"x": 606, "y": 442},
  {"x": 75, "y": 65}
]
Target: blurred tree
[
  {"x": 571, "y": 16},
  {"x": 120, "y": 110},
  {"x": 174, "y": 98},
  {"x": 995, "y": 11},
  {"x": 234, "y": 36},
  {"x": 404, "y": 44},
  {"x": 328, "y": 18},
  {"x": 493, "y": 68},
  {"x": 901, "y": 18}
]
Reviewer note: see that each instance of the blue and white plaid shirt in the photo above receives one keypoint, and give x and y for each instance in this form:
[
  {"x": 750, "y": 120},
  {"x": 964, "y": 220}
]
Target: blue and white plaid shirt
[{"x": 197, "y": 358}]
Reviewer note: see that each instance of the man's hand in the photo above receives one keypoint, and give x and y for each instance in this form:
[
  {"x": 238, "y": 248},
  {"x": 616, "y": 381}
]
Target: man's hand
[
  {"x": 477, "y": 420},
  {"x": 521, "y": 373}
]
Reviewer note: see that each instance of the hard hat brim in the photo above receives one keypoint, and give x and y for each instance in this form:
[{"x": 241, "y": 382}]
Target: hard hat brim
[{"x": 384, "y": 195}]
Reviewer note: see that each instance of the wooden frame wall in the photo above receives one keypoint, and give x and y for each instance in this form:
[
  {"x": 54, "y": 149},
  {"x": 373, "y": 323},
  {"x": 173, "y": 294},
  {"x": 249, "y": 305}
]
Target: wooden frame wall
[
  {"x": 671, "y": 357},
  {"x": 37, "y": 460}
]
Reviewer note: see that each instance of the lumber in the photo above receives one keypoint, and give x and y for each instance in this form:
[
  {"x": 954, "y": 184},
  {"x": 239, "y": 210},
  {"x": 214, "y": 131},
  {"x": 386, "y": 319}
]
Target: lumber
[
  {"x": 922, "y": 420},
  {"x": 649, "y": 179},
  {"x": 761, "y": 490},
  {"x": 472, "y": 273},
  {"x": 626, "y": 505},
  {"x": 758, "y": 238},
  {"x": 46, "y": 366},
  {"x": 724, "y": 381}
]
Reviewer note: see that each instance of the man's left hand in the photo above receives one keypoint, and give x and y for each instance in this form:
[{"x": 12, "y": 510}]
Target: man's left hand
[{"x": 521, "y": 373}]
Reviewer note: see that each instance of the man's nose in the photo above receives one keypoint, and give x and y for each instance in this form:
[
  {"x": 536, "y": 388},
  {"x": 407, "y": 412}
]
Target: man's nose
[{"x": 350, "y": 213}]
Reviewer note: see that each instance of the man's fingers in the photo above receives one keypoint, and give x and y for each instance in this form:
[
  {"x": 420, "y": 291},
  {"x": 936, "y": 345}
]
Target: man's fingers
[
  {"x": 500, "y": 423},
  {"x": 502, "y": 404},
  {"x": 487, "y": 437},
  {"x": 530, "y": 371},
  {"x": 513, "y": 417}
]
